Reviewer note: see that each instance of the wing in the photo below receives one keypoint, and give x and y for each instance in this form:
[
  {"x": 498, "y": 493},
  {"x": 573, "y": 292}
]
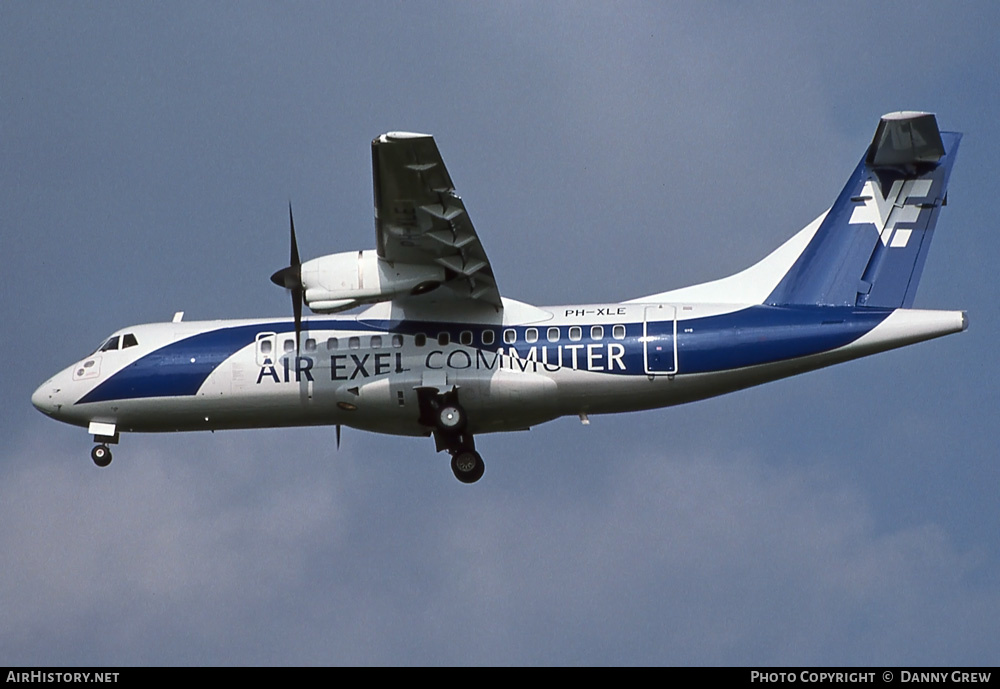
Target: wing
[{"x": 420, "y": 220}]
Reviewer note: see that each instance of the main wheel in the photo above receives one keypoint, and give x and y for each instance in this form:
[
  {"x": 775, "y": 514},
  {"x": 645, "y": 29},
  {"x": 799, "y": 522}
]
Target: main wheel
[
  {"x": 451, "y": 418},
  {"x": 467, "y": 466},
  {"x": 101, "y": 455}
]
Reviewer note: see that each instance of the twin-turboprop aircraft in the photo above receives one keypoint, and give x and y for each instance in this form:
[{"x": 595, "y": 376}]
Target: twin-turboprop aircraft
[{"x": 437, "y": 351}]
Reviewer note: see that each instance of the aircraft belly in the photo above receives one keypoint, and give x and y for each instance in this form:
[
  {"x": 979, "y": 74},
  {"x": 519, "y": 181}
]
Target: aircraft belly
[{"x": 507, "y": 400}]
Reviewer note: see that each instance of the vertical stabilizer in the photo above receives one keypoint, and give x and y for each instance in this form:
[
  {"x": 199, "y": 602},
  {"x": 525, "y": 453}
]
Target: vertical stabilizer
[{"x": 871, "y": 247}]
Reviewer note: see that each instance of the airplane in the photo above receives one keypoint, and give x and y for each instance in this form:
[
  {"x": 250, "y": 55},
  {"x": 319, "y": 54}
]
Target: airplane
[{"x": 436, "y": 351}]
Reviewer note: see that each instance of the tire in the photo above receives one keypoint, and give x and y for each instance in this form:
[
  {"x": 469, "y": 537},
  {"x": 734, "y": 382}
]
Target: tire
[
  {"x": 451, "y": 418},
  {"x": 101, "y": 455},
  {"x": 467, "y": 466}
]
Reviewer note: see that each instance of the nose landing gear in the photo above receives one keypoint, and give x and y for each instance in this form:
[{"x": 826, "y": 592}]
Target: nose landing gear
[
  {"x": 104, "y": 434},
  {"x": 101, "y": 455}
]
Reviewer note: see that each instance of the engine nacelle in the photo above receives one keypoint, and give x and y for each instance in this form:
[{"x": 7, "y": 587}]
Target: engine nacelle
[{"x": 342, "y": 281}]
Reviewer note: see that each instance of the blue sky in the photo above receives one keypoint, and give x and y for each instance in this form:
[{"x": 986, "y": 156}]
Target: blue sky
[{"x": 604, "y": 151}]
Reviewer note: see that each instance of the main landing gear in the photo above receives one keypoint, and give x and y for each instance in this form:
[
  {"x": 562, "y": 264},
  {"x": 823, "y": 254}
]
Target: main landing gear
[
  {"x": 449, "y": 420},
  {"x": 467, "y": 466}
]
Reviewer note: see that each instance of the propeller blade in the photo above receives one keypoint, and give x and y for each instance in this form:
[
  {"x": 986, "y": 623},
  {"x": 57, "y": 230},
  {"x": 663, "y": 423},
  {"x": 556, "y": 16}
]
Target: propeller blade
[
  {"x": 297, "y": 311},
  {"x": 294, "y": 260},
  {"x": 291, "y": 279},
  {"x": 338, "y": 436}
]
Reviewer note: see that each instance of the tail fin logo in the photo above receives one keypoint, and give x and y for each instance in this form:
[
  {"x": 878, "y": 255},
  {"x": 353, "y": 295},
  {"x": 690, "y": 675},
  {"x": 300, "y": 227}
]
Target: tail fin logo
[{"x": 896, "y": 207}]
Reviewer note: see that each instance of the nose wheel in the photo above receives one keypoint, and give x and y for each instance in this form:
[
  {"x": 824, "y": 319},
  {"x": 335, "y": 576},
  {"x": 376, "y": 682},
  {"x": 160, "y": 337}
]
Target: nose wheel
[{"x": 101, "y": 455}]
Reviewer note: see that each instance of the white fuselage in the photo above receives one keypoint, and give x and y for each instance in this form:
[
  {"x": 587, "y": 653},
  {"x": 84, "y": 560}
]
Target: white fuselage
[{"x": 525, "y": 366}]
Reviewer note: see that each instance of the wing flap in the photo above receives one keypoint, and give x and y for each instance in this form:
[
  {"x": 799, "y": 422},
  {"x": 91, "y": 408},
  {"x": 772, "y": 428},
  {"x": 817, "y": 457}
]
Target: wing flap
[{"x": 419, "y": 219}]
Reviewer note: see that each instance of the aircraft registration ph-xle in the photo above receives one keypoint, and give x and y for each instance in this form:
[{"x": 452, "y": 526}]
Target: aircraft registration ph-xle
[{"x": 437, "y": 351}]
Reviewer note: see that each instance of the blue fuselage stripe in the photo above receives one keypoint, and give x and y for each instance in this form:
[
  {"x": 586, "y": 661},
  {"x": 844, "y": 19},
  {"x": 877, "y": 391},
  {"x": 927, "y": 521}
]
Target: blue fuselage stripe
[{"x": 748, "y": 337}]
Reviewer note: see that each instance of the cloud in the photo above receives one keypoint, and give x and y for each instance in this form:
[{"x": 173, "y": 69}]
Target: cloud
[{"x": 253, "y": 556}]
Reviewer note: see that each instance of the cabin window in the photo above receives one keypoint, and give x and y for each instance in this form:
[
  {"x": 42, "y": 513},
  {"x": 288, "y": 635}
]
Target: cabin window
[
  {"x": 397, "y": 341},
  {"x": 531, "y": 335},
  {"x": 265, "y": 346},
  {"x": 444, "y": 339},
  {"x": 597, "y": 332},
  {"x": 354, "y": 343},
  {"x": 420, "y": 339},
  {"x": 376, "y": 342},
  {"x": 289, "y": 346},
  {"x": 487, "y": 337},
  {"x": 332, "y": 343},
  {"x": 552, "y": 334},
  {"x": 311, "y": 344},
  {"x": 466, "y": 337},
  {"x": 576, "y": 333},
  {"x": 618, "y": 332},
  {"x": 509, "y": 336}
]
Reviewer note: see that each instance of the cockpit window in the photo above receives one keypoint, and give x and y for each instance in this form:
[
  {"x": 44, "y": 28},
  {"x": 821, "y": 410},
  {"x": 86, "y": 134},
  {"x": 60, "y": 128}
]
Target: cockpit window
[
  {"x": 109, "y": 344},
  {"x": 128, "y": 340}
]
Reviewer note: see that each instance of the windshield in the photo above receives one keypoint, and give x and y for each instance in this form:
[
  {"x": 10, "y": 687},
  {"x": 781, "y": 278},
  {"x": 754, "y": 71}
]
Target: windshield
[{"x": 118, "y": 342}]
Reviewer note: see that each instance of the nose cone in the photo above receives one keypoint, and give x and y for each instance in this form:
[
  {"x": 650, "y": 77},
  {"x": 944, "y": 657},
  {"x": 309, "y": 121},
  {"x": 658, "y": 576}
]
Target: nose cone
[{"x": 46, "y": 398}]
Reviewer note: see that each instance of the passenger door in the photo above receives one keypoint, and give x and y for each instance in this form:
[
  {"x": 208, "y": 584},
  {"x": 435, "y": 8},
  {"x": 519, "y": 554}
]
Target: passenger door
[{"x": 659, "y": 338}]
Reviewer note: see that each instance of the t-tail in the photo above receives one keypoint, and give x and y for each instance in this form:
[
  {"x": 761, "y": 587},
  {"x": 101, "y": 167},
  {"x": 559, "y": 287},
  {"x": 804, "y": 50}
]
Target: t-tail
[
  {"x": 865, "y": 254},
  {"x": 869, "y": 249}
]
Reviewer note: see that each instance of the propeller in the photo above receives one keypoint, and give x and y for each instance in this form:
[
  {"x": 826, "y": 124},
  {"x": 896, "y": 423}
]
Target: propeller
[{"x": 291, "y": 279}]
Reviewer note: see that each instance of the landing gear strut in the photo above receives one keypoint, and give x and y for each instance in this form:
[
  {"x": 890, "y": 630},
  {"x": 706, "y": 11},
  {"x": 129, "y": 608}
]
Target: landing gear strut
[
  {"x": 104, "y": 434},
  {"x": 448, "y": 418},
  {"x": 101, "y": 455}
]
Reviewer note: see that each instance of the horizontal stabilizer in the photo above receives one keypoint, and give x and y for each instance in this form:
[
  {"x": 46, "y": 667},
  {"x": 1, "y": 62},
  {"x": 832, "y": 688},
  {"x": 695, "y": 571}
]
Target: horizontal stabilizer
[{"x": 905, "y": 138}]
